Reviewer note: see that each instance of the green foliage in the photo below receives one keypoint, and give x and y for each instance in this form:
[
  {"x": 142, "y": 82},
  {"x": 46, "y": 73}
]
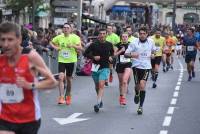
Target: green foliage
[{"x": 17, "y": 5}]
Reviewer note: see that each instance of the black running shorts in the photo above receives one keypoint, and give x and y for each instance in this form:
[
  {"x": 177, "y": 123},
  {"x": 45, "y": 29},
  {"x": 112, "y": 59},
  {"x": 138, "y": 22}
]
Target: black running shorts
[
  {"x": 156, "y": 61},
  {"x": 22, "y": 128},
  {"x": 140, "y": 74},
  {"x": 120, "y": 68},
  {"x": 68, "y": 67}
]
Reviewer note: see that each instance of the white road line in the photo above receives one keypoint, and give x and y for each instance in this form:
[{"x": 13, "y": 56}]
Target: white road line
[
  {"x": 170, "y": 110},
  {"x": 167, "y": 121},
  {"x": 180, "y": 79},
  {"x": 163, "y": 132},
  {"x": 173, "y": 101},
  {"x": 177, "y": 88},
  {"x": 176, "y": 93},
  {"x": 179, "y": 83}
]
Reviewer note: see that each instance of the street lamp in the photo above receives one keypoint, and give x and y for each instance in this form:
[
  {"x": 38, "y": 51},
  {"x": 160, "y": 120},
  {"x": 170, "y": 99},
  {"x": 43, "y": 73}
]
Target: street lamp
[{"x": 174, "y": 16}]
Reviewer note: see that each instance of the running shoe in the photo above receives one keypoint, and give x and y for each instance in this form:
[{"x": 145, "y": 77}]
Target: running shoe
[
  {"x": 68, "y": 100},
  {"x": 110, "y": 78},
  {"x": 61, "y": 100},
  {"x": 101, "y": 104},
  {"x": 122, "y": 100},
  {"x": 154, "y": 85},
  {"x": 96, "y": 108},
  {"x": 189, "y": 78},
  {"x": 193, "y": 74},
  {"x": 106, "y": 84},
  {"x": 140, "y": 110}
]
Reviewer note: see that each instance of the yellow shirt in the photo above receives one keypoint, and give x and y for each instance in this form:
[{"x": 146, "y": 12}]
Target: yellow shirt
[
  {"x": 65, "y": 54},
  {"x": 159, "y": 43},
  {"x": 113, "y": 38}
]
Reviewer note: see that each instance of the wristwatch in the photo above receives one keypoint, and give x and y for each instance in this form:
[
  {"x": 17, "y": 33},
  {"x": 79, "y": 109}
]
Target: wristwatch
[{"x": 33, "y": 86}]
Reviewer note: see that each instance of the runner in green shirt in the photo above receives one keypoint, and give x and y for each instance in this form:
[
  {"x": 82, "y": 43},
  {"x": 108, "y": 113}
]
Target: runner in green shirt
[{"x": 67, "y": 45}]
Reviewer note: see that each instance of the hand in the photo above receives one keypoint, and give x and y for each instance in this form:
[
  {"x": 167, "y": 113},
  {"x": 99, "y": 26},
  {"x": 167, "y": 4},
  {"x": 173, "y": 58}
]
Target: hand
[
  {"x": 135, "y": 55},
  {"x": 123, "y": 49},
  {"x": 97, "y": 58},
  {"x": 21, "y": 82},
  {"x": 110, "y": 59}
]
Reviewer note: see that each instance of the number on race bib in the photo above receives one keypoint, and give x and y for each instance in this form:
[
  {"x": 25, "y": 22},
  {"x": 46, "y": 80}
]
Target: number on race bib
[
  {"x": 95, "y": 67},
  {"x": 190, "y": 48},
  {"x": 124, "y": 60},
  {"x": 65, "y": 54},
  {"x": 10, "y": 93}
]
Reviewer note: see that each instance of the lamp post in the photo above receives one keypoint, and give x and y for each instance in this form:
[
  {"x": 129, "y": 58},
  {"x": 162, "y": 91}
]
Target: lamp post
[
  {"x": 174, "y": 16},
  {"x": 33, "y": 14}
]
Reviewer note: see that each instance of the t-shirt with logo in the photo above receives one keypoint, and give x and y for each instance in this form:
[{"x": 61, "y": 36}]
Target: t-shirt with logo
[{"x": 65, "y": 54}]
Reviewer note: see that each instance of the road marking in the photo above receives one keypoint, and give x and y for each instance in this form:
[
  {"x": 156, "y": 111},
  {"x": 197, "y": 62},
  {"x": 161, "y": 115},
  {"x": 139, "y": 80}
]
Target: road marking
[
  {"x": 177, "y": 88},
  {"x": 180, "y": 79},
  {"x": 71, "y": 119},
  {"x": 167, "y": 121},
  {"x": 163, "y": 132},
  {"x": 176, "y": 94},
  {"x": 173, "y": 101},
  {"x": 179, "y": 83},
  {"x": 170, "y": 110}
]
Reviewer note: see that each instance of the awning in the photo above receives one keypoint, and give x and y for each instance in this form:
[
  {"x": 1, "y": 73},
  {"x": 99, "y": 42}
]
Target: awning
[{"x": 94, "y": 19}]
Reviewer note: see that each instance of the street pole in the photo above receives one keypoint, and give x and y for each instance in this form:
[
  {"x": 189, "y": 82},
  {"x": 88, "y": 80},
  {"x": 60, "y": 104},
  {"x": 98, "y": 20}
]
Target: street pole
[
  {"x": 174, "y": 16},
  {"x": 33, "y": 14},
  {"x": 80, "y": 2}
]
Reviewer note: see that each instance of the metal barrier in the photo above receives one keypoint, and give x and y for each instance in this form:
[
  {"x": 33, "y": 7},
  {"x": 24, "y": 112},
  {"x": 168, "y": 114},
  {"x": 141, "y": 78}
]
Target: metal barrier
[{"x": 50, "y": 58}]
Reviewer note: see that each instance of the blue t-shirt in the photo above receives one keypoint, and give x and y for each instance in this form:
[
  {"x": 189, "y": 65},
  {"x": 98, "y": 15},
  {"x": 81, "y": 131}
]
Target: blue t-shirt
[{"x": 190, "y": 44}]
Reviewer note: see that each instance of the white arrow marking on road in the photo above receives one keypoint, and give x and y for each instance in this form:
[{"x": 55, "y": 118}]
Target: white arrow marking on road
[{"x": 71, "y": 119}]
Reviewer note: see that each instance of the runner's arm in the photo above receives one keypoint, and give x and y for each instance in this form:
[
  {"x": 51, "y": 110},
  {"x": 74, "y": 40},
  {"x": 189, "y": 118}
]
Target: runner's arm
[{"x": 39, "y": 65}]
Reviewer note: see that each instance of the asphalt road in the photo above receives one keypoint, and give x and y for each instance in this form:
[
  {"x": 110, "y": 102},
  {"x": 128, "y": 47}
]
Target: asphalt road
[{"x": 171, "y": 108}]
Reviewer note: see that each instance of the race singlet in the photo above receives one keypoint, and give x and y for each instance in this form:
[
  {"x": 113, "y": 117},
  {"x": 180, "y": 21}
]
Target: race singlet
[{"x": 10, "y": 93}]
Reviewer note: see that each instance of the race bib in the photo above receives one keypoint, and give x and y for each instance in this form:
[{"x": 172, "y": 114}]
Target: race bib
[
  {"x": 157, "y": 48},
  {"x": 10, "y": 93},
  {"x": 190, "y": 48},
  {"x": 144, "y": 55},
  {"x": 95, "y": 67},
  {"x": 65, "y": 53},
  {"x": 123, "y": 59}
]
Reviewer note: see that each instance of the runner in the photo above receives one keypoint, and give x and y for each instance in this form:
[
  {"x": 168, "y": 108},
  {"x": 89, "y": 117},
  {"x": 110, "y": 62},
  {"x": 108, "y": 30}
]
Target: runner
[
  {"x": 168, "y": 52},
  {"x": 141, "y": 51},
  {"x": 19, "y": 104},
  {"x": 171, "y": 34},
  {"x": 159, "y": 43},
  {"x": 100, "y": 52},
  {"x": 191, "y": 44},
  {"x": 130, "y": 33},
  {"x": 123, "y": 67},
  {"x": 67, "y": 45},
  {"x": 114, "y": 39}
]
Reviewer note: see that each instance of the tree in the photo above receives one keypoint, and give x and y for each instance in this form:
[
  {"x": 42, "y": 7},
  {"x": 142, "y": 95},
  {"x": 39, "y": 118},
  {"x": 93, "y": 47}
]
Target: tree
[{"x": 19, "y": 5}]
